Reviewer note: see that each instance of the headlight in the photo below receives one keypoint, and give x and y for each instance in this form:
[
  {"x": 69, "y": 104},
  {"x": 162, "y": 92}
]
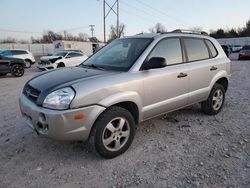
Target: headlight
[{"x": 59, "y": 99}]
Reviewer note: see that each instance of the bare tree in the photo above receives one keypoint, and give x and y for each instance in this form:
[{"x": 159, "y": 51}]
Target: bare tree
[
  {"x": 83, "y": 36},
  {"x": 196, "y": 28},
  {"x": 158, "y": 28},
  {"x": 113, "y": 32}
]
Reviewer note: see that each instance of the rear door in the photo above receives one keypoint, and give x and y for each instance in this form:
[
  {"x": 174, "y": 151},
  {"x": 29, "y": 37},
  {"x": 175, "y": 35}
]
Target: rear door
[
  {"x": 166, "y": 89},
  {"x": 203, "y": 66}
]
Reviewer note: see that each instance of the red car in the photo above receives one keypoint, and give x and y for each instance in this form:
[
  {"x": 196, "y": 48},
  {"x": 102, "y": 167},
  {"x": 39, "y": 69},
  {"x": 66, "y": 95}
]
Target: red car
[{"x": 244, "y": 53}]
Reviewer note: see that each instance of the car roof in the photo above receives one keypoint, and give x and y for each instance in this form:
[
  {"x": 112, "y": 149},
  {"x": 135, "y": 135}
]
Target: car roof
[
  {"x": 14, "y": 49},
  {"x": 169, "y": 34}
]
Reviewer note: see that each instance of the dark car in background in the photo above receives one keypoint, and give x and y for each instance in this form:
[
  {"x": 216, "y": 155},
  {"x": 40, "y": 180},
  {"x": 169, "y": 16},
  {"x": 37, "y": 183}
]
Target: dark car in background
[
  {"x": 245, "y": 53},
  {"x": 11, "y": 65}
]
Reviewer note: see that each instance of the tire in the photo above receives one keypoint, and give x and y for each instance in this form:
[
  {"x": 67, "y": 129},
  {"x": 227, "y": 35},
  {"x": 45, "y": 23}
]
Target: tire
[
  {"x": 17, "y": 70},
  {"x": 215, "y": 101},
  {"x": 116, "y": 126},
  {"x": 60, "y": 65},
  {"x": 3, "y": 74},
  {"x": 27, "y": 63}
]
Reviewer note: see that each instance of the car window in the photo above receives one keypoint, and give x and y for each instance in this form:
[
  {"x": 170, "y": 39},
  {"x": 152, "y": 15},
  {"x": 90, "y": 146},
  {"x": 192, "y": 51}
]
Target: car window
[
  {"x": 63, "y": 54},
  {"x": 18, "y": 52},
  {"x": 196, "y": 49},
  {"x": 246, "y": 48},
  {"x": 6, "y": 53},
  {"x": 74, "y": 54},
  {"x": 170, "y": 49},
  {"x": 211, "y": 47}
]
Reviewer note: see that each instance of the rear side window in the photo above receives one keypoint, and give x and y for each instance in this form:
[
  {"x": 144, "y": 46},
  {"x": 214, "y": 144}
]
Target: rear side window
[
  {"x": 170, "y": 49},
  {"x": 18, "y": 52},
  {"x": 211, "y": 48},
  {"x": 196, "y": 49}
]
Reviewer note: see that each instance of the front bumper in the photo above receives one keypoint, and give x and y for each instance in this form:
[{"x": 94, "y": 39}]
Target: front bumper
[
  {"x": 46, "y": 67},
  {"x": 59, "y": 124}
]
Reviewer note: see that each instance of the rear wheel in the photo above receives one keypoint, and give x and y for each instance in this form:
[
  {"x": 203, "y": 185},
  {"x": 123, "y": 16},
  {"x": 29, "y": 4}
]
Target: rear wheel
[
  {"x": 114, "y": 132},
  {"x": 215, "y": 101},
  {"x": 17, "y": 70}
]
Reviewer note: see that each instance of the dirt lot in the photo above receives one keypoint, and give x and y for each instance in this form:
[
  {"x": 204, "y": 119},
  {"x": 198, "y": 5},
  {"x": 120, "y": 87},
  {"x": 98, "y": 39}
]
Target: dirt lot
[{"x": 181, "y": 149}]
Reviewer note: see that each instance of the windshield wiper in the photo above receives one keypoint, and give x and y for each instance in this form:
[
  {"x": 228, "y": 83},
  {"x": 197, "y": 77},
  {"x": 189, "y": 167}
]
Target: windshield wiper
[{"x": 93, "y": 66}]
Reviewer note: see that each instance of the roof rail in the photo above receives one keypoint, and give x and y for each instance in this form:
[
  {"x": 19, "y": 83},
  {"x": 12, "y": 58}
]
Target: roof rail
[{"x": 189, "y": 31}]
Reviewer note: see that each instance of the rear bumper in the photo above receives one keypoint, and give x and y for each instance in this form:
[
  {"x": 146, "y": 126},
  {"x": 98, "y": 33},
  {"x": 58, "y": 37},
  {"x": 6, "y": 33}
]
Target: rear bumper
[{"x": 59, "y": 124}]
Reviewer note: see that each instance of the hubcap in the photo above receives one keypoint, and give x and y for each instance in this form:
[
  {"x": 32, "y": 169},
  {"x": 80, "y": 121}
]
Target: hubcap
[
  {"x": 116, "y": 134},
  {"x": 18, "y": 71},
  {"x": 217, "y": 99}
]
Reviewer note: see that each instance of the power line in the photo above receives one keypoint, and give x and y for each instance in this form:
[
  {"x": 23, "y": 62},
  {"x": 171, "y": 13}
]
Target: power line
[
  {"x": 145, "y": 12},
  {"x": 159, "y": 11}
]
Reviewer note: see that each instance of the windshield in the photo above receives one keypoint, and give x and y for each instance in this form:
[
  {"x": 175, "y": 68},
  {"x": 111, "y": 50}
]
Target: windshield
[
  {"x": 119, "y": 55},
  {"x": 61, "y": 54}
]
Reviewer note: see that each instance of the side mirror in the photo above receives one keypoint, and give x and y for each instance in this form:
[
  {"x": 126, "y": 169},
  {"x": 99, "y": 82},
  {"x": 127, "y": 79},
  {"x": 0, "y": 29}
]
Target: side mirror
[
  {"x": 68, "y": 56},
  {"x": 155, "y": 63}
]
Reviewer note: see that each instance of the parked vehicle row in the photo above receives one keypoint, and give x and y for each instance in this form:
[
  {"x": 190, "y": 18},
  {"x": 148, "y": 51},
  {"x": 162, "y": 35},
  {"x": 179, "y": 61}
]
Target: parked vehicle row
[
  {"x": 25, "y": 59},
  {"x": 127, "y": 82}
]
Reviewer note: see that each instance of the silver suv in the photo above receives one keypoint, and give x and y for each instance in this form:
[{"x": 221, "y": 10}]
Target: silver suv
[{"x": 128, "y": 81}]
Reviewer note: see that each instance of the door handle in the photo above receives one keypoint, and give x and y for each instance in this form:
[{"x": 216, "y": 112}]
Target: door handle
[
  {"x": 181, "y": 75},
  {"x": 213, "y": 68}
]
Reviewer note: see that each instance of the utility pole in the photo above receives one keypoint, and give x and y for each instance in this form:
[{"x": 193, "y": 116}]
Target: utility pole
[
  {"x": 92, "y": 29},
  {"x": 116, "y": 12}
]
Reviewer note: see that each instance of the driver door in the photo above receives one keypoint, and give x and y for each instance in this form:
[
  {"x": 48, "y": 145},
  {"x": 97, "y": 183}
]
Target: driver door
[{"x": 166, "y": 89}]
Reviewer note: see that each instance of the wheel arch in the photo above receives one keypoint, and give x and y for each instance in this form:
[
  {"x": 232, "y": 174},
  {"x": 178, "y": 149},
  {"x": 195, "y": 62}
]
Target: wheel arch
[
  {"x": 224, "y": 82},
  {"x": 130, "y": 101},
  {"x": 220, "y": 78}
]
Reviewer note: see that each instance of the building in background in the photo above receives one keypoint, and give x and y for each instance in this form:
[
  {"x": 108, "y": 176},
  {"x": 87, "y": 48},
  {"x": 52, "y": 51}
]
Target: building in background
[{"x": 241, "y": 41}]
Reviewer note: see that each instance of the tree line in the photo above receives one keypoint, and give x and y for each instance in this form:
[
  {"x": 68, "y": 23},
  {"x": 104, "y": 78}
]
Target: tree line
[
  {"x": 232, "y": 33},
  {"x": 50, "y": 36}
]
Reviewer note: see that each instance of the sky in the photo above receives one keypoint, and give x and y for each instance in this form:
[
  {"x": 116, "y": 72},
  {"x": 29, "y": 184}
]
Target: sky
[{"x": 22, "y": 19}]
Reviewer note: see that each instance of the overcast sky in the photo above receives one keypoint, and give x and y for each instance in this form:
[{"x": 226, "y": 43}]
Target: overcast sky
[{"x": 25, "y": 18}]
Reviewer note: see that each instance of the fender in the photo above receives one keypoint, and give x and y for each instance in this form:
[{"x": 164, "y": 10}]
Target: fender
[
  {"x": 128, "y": 96},
  {"x": 219, "y": 75}
]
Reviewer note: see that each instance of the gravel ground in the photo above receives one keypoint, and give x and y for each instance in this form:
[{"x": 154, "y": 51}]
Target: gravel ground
[{"x": 182, "y": 149}]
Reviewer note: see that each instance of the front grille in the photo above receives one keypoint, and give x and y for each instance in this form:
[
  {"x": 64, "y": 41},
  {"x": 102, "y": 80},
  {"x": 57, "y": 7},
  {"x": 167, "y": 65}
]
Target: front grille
[
  {"x": 31, "y": 93},
  {"x": 44, "y": 62}
]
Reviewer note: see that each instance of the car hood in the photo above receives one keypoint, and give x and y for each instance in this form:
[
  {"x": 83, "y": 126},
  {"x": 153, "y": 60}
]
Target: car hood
[
  {"x": 50, "y": 81},
  {"x": 50, "y": 57}
]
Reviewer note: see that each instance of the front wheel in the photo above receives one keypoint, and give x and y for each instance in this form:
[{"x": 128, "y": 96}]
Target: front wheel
[
  {"x": 115, "y": 130},
  {"x": 17, "y": 70},
  {"x": 215, "y": 101}
]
